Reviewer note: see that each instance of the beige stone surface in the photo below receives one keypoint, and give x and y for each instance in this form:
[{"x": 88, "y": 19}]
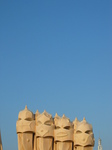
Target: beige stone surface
[
  {"x": 64, "y": 146},
  {"x": 83, "y": 135},
  {"x": 63, "y": 133},
  {"x": 44, "y": 131},
  {"x": 44, "y": 143},
  {"x": 25, "y": 127},
  {"x": 40, "y": 131},
  {"x": 83, "y": 148},
  {"x": 25, "y": 141}
]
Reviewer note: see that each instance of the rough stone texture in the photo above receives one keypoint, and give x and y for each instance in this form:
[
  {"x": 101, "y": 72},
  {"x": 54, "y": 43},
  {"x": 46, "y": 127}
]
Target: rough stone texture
[
  {"x": 63, "y": 133},
  {"x": 44, "y": 143},
  {"x": 25, "y": 127},
  {"x": 42, "y": 132},
  {"x": 83, "y": 135}
]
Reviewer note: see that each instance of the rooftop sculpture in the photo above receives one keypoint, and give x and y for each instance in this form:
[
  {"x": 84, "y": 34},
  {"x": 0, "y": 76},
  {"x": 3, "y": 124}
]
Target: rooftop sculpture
[{"x": 42, "y": 132}]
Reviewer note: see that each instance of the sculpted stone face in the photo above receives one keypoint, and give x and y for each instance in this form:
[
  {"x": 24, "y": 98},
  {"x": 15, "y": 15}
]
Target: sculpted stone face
[
  {"x": 64, "y": 129},
  {"x": 44, "y": 125},
  {"x": 83, "y": 135},
  {"x": 63, "y": 134},
  {"x": 25, "y": 121},
  {"x": 44, "y": 131},
  {"x": 25, "y": 129}
]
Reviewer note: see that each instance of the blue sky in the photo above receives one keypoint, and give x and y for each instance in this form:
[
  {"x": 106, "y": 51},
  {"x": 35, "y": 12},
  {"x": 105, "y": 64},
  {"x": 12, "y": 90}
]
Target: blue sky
[{"x": 56, "y": 56}]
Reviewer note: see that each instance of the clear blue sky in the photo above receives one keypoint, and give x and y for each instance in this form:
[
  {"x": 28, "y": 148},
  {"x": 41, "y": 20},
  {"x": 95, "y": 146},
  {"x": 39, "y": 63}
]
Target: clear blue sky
[{"x": 56, "y": 55}]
